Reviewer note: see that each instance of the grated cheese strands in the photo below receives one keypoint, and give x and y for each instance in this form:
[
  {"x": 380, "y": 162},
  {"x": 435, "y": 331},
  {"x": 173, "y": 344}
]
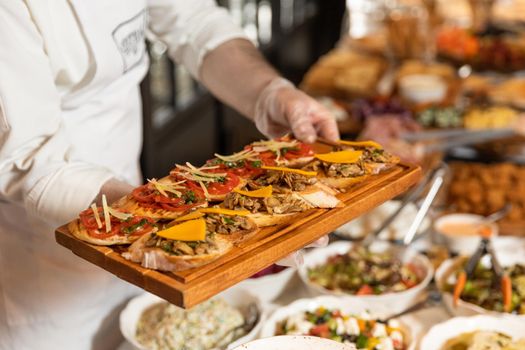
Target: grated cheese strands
[
  {"x": 171, "y": 188},
  {"x": 290, "y": 170},
  {"x": 196, "y": 174},
  {"x": 246, "y": 154},
  {"x": 119, "y": 215},
  {"x": 106, "y": 213},
  {"x": 275, "y": 146},
  {"x": 204, "y": 189},
  {"x": 97, "y": 217}
]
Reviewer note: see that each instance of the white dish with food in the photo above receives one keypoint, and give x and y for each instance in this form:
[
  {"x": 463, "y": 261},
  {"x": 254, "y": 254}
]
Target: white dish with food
[
  {"x": 369, "y": 222},
  {"x": 337, "y": 318},
  {"x": 445, "y": 277},
  {"x": 423, "y": 88},
  {"x": 461, "y": 330},
  {"x": 268, "y": 287},
  {"x": 209, "y": 323},
  {"x": 294, "y": 343},
  {"x": 461, "y": 231},
  {"x": 395, "y": 296}
]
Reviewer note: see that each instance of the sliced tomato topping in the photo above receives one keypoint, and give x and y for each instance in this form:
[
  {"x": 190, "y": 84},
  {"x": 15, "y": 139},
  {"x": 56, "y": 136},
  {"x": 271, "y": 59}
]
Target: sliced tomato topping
[
  {"x": 244, "y": 169},
  {"x": 136, "y": 225},
  {"x": 299, "y": 151},
  {"x": 149, "y": 197},
  {"x": 87, "y": 218},
  {"x": 223, "y": 186},
  {"x": 303, "y": 150},
  {"x": 230, "y": 182}
]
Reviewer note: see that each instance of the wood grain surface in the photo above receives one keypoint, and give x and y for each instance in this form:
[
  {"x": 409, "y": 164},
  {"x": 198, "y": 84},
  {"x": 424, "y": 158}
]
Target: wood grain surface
[{"x": 188, "y": 288}]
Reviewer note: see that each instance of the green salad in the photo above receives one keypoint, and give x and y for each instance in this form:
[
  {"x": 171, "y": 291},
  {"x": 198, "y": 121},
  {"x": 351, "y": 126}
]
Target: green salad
[
  {"x": 484, "y": 290},
  {"x": 362, "y": 272}
]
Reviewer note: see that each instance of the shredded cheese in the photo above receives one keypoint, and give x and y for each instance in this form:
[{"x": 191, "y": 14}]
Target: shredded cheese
[
  {"x": 119, "y": 215},
  {"x": 274, "y": 146},
  {"x": 163, "y": 188},
  {"x": 222, "y": 211},
  {"x": 246, "y": 154},
  {"x": 264, "y": 192},
  {"x": 204, "y": 189},
  {"x": 95, "y": 213},
  {"x": 106, "y": 213},
  {"x": 341, "y": 157},
  {"x": 191, "y": 216},
  {"x": 290, "y": 170},
  {"x": 192, "y": 173},
  {"x": 360, "y": 144},
  {"x": 191, "y": 230}
]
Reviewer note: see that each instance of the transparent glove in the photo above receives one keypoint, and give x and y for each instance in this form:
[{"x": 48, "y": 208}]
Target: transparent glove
[
  {"x": 281, "y": 108},
  {"x": 113, "y": 189},
  {"x": 296, "y": 259}
]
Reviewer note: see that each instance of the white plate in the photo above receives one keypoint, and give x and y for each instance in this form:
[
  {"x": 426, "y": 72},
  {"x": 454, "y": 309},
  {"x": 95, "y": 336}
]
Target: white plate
[
  {"x": 369, "y": 222},
  {"x": 294, "y": 343},
  {"x": 381, "y": 305},
  {"x": 441, "y": 333},
  {"x": 268, "y": 287},
  {"x": 236, "y": 297},
  {"x": 351, "y": 306},
  {"x": 508, "y": 254}
]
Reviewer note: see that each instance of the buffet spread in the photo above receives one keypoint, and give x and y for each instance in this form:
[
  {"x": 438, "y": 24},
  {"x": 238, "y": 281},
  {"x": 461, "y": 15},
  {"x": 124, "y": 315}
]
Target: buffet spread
[{"x": 206, "y": 238}]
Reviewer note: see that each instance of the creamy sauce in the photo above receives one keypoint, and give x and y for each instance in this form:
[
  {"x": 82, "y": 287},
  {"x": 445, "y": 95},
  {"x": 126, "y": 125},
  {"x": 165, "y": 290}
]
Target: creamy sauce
[{"x": 461, "y": 229}]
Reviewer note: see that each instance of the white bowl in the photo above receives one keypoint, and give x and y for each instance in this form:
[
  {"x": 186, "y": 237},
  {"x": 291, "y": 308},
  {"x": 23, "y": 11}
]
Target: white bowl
[
  {"x": 438, "y": 335},
  {"x": 236, "y": 297},
  {"x": 349, "y": 306},
  {"x": 383, "y": 305},
  {"x": 268, "y": 287},
  {"x": 506, "y": 256},
  {"x": 369, "y": 222},
  {"x": 423, "y": 88},
  {"x": 461, "y": 244},
  {"x": 290, "y": 342}
]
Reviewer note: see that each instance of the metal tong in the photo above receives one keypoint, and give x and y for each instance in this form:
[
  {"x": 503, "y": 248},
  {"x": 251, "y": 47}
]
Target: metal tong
[
  {"x": 436, "y": 179},
  {"x": 486, "y": 248}
]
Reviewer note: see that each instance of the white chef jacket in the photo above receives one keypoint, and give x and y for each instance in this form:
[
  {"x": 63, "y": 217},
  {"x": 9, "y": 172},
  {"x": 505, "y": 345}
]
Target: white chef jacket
[{"x": 70, "y": 119}]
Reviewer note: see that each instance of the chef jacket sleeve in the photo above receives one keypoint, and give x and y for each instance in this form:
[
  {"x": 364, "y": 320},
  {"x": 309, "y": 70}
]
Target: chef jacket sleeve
[
  {"x": 191, "y": 29},
  {"x": 36, "y": 169}
]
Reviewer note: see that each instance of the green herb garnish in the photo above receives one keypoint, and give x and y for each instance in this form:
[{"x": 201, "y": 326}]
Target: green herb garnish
[{"x": 189, "y": 197}]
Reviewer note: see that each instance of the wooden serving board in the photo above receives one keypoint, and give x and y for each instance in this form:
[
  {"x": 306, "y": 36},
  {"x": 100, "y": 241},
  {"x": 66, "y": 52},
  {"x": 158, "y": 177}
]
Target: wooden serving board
[{"x": 270, "y": 244}]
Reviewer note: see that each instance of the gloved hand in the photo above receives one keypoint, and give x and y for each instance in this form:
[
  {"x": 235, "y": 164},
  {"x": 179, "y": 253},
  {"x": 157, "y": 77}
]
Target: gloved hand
[
  {"x": 281, "y": 108},
  {"x": 296, "y": 259},
  {"x": 113, "y": 189}
]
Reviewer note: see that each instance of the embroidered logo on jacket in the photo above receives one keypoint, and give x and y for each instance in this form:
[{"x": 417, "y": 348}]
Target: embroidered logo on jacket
[{"x": 129, "y": 37}]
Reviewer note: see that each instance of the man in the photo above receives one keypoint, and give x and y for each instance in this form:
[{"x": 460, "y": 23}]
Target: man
[{"x": 70, "y": 131}]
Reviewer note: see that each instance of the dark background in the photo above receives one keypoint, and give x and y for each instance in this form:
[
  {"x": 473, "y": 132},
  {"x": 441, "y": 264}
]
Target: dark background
[{"x": 183, "y": 122}]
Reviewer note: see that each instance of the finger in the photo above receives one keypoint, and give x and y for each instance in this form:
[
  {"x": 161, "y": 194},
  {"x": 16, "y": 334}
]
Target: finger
[
  {"x": 302, "y": 128},
  {"x": 327, "y": 128},
  {"x": 295, "y": 259},
  {"x": 321, "y": 242}
]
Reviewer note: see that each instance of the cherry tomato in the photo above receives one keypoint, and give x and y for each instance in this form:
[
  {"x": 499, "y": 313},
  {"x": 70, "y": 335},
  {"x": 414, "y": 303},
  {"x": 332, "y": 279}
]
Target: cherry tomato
[
  {"x": 365, "y": 290},
  {"x": 321, "y": 330}
]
